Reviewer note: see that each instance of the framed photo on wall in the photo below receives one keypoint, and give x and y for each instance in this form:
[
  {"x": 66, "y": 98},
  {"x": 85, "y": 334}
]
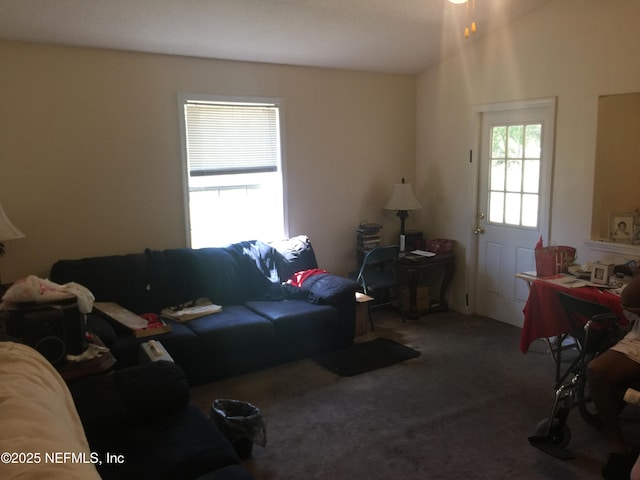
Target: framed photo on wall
[{"x": 622, "y": 226}]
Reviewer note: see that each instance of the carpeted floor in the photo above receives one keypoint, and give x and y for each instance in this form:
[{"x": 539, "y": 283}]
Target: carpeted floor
[{"x": 463, "y": 409}]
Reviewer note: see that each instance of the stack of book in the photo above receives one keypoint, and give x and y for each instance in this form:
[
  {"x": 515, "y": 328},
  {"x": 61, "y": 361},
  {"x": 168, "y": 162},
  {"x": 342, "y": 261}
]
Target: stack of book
[{"x": 368, "y": 238}]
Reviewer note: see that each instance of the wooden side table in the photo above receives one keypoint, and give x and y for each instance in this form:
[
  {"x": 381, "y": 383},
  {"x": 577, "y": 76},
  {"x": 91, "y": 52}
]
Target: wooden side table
[
  {"x": 72, "y": 371},
  {"x": 363, "y": 315},
  {"x": 413, "y": 265}
]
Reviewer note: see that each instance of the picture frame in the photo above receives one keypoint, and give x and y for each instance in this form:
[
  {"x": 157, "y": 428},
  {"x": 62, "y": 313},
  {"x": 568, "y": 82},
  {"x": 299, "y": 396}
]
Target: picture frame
[
  {"x": 622, "y": 227},
  {"x": 636, "y": 234},
  {"x": 601, "y": 273}
]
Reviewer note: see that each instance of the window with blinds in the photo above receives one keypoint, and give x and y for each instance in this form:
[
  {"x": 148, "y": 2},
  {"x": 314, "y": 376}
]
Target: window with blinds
[
  {"x": 234, "y": 171},
  {"x": 231, "y": 138}
]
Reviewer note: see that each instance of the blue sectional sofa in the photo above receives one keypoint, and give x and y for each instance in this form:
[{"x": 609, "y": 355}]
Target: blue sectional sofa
[{"x": 264, "y": 321}]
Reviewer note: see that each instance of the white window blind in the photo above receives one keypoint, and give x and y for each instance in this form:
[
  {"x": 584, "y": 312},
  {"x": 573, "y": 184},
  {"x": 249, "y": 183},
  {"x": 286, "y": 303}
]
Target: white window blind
[
  {"x": 227, "y": 139},
  {"x": 233, "y": 169}
]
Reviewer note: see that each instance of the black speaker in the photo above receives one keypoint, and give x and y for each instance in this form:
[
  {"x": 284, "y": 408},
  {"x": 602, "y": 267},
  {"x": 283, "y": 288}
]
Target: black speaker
[{"x": 54, "y": 330}]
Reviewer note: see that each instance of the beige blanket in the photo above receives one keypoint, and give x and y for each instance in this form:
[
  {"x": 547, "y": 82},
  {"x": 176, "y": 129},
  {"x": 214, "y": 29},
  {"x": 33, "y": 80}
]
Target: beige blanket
[{"x": 41, "y": 435}]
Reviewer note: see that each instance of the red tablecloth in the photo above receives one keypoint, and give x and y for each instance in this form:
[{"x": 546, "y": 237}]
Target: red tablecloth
[{"x": 544, "y": 316}]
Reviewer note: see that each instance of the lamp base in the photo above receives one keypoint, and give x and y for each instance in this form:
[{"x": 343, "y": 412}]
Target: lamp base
[{"x": 402, "y": 215}]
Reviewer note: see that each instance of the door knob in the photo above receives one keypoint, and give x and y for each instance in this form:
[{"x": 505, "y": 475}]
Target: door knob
[{"x": 478, "y": 230}]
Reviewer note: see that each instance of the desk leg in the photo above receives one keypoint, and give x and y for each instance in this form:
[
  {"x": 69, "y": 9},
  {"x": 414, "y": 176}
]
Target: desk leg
[
  {"x": 448, "y": 275},
  {"x": 413, "y": 293},
  {"x": 444, "y": 270}
]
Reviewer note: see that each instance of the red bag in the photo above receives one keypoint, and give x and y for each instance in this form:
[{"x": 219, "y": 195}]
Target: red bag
[{"x": 553, "y": 260}]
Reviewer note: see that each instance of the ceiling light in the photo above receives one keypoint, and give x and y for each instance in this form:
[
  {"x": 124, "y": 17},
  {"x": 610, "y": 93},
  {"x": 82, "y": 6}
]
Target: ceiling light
[{"x": 471, "y": 13}]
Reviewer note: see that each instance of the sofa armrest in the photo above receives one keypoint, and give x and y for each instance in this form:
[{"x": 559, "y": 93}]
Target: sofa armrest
[
  {"x": 38, "y": 418},
  {"x": 329, "y": 289},
  {"x": 133, "y": 394}
]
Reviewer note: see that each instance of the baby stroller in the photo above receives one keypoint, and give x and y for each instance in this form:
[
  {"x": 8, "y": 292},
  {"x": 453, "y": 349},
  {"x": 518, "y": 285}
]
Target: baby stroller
[{"x": 594, "y": 328}]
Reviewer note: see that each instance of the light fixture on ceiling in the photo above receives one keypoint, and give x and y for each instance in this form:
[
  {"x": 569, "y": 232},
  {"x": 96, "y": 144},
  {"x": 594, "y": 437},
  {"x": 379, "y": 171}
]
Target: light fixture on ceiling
[{"x": 471, "y": 13}]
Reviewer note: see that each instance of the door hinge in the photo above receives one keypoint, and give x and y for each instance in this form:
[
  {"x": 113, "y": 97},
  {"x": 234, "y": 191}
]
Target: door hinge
[
  {"x": 470, "y": 156},
  {"x": 466, "y": 299}
]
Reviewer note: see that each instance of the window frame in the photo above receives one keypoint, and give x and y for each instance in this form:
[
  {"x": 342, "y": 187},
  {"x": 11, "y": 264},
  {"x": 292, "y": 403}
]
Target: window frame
[{"x": 184, "y": 98}]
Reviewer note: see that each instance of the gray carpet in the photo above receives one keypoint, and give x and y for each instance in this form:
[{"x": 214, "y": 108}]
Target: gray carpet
[{"x": 463, "y": 409}]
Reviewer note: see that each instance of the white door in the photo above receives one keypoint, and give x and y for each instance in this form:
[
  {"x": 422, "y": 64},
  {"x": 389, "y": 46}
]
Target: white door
[{"x": 514, "y": 190}]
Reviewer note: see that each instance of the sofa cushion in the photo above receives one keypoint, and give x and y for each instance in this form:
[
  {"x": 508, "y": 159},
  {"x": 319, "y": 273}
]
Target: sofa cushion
[
  {"x": 123, "y": 279},
  {"x": 152, "y": 390},
  {"x": 300, "y": 328},
  {"x": 99, "y": 403},
  {"x": 173, "y": 273},
  {"x": 232, "y": 472},
  {"x": 183, "y": 444},
  {"x": 329, "y": 289},
  {"x": 226, "y": 276},
  {"x": 237, "y": 340},
  {"x": 130, "y": 395},
  {"x": 257, "y": 256}
]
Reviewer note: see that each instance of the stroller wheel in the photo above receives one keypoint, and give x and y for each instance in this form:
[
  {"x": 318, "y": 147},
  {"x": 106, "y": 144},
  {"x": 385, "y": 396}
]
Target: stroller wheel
[{"x": 558, "y": 434}]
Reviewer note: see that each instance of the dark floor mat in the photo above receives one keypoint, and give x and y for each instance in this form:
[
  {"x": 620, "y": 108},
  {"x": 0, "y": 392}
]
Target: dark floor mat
[{"x": 363, "y": 357}]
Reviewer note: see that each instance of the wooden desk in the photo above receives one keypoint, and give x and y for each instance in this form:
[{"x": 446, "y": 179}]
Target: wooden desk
[
  {"x": 544, "y": 316},
  {"x": 413, "y": 266}
]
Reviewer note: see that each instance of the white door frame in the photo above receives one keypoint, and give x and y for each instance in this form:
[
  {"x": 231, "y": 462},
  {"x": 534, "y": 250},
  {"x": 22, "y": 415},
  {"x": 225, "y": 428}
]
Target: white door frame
[{"x": 545, "y": 207}]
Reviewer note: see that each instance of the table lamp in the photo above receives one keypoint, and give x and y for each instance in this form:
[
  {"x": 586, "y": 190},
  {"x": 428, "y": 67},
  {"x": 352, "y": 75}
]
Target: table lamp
[
  {"x": 8, "y": 231},
  {"x": 402, "y": 200}
]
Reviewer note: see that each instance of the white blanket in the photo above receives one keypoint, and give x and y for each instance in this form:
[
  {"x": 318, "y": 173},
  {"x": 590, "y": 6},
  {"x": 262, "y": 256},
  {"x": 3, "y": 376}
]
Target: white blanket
[{"x": 41, "y": 435}]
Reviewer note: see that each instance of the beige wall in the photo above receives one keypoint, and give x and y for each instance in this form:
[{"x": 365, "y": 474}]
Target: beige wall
[
  {"x": 574, "y": 50},
  {"x": 90, "y": 154},
  {"x": 617, "y": 154},
  {"x": 90, "y": 150}
]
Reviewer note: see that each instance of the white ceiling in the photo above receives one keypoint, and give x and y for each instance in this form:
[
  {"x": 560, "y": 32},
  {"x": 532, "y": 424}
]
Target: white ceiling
[{"x": 396, "y": 36}]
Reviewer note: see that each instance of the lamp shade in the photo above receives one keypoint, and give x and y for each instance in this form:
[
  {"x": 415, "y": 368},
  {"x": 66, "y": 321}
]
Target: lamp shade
[
  {"x": 8, "y": 231},
  {"x": 402, "y": 198}
]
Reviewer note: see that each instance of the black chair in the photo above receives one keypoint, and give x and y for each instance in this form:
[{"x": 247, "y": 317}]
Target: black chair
[
  {"x": 377, "y": 276},
  {"x": 594, "y": 328}
]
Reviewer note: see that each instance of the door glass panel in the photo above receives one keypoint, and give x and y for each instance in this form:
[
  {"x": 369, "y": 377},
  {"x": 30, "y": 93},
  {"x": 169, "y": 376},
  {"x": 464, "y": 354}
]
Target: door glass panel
[
  {"x": 531, "y": 179},
  {"x": 514, "y": 179},
  {"x": 497, "y": 174},
  {"x": 512, "y": 209},
  {"x": 515, "y": 141},
  {"x": 532, "y": 141},
  {"x": 529, "y": 210},
  {"x": 514, "y": 175},
  {"x": 499, "y": 142},
  {"x": 496, "y": 209}
]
